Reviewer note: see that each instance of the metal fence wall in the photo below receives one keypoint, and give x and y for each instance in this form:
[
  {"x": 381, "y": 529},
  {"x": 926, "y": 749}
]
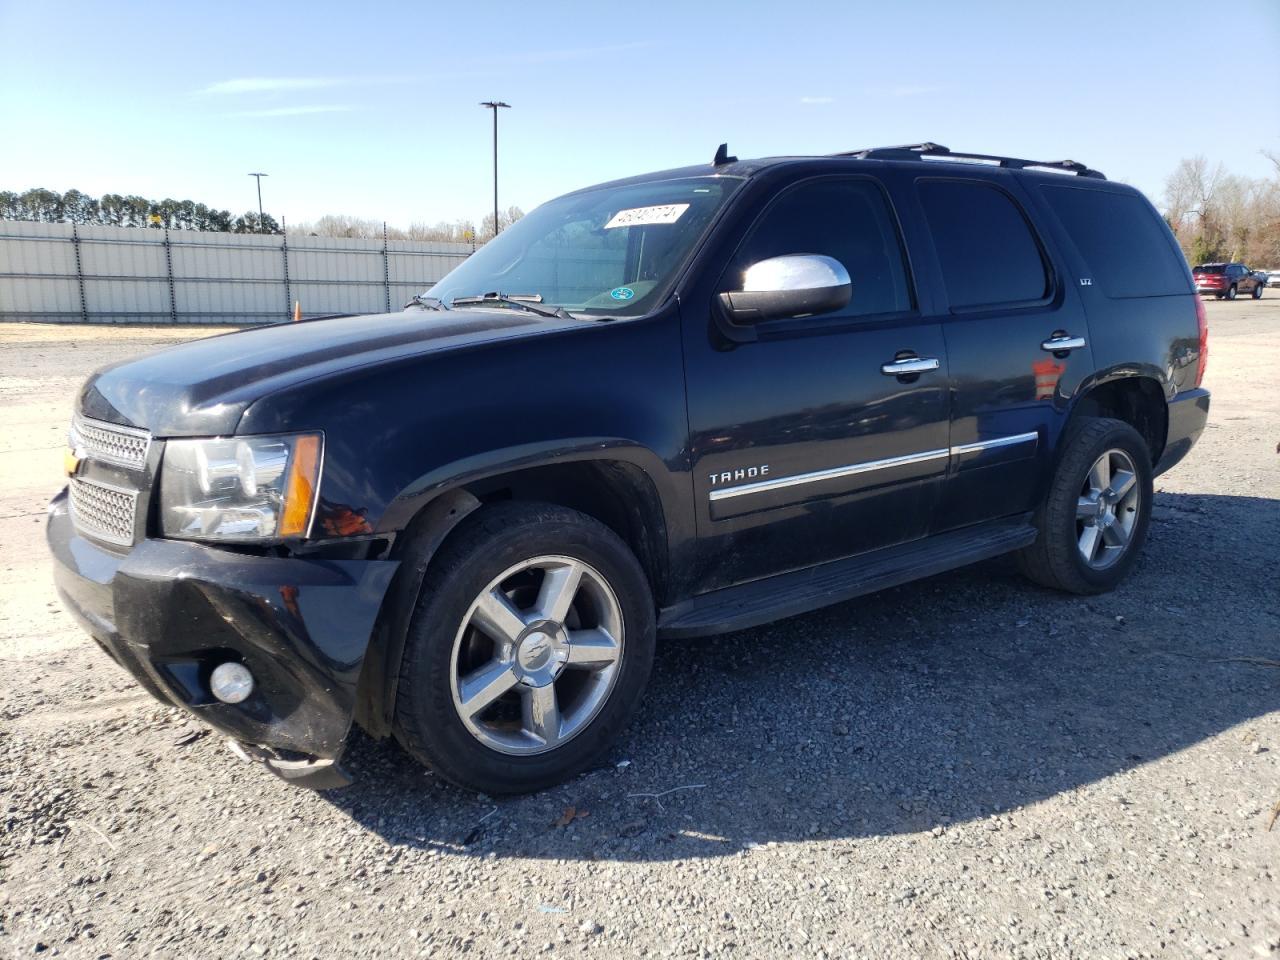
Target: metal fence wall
[{"x": 61, "y": 272}]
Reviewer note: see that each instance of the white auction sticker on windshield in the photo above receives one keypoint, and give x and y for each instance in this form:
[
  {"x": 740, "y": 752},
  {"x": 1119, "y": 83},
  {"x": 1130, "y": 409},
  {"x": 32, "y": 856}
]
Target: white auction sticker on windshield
[{"x": 643, "y": 216}]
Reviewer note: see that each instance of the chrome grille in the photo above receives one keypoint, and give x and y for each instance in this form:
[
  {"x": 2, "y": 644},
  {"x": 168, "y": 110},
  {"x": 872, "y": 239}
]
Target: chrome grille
[
  {"x": 103, "y": 511},
  {"x": 110, "y": 442}
]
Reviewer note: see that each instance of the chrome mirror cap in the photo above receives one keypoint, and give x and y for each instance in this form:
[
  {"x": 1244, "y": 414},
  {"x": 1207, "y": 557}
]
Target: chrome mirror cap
[
  {"x": 795, "y": 285},
  {"x": 796, "y": 271}
]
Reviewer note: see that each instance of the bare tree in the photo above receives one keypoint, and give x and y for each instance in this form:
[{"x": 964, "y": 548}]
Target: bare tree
[
  {"x": 460, "y": 231},
  {"x": 338, "y": 225},
  {"x": 1221, "y": 216},
  {"x": 507, "y": 217},
  {"x": 1191, "y": 189}
]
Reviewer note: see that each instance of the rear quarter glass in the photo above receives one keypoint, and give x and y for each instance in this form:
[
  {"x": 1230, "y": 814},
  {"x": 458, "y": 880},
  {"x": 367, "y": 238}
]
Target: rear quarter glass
[{"x": 1121, "y": 239}]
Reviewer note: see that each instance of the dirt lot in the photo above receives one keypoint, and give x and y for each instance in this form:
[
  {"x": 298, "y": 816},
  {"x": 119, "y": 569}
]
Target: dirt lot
[{"x": 965, "y": 767}]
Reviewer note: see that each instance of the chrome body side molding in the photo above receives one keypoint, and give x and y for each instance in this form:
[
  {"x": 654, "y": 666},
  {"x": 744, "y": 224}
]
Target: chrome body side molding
[
  {"x": 964, "y": 448},
  {"x": 833, "y": 473}
]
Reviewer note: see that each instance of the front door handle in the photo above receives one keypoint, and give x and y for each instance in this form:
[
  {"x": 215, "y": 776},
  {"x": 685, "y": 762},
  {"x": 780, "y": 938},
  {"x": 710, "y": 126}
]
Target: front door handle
[
  {"x": 1062, "y": 343},
  {"x": 909, "y": 365}
]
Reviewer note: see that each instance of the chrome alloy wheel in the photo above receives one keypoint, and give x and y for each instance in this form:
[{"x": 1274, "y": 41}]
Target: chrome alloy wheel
[
  {"x": 1107, "y": 509},
  {"x": 537, "y": 655}
]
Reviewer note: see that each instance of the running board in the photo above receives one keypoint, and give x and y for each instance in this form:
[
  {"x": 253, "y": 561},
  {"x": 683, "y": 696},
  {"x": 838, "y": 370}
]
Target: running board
[{"x": 787, "y": 594}]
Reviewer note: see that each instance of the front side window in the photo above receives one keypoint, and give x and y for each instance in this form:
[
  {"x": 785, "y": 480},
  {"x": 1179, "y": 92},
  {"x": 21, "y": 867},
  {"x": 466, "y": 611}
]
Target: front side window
[
  {"x": 988, "y": 255},
  {"x": 612, "y": 250},
  {"x": 848, "y": 220}
]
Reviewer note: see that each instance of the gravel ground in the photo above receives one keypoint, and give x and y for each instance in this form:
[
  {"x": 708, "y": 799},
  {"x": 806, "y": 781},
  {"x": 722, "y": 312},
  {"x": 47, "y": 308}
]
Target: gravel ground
[{"x": 969, "y": 766}]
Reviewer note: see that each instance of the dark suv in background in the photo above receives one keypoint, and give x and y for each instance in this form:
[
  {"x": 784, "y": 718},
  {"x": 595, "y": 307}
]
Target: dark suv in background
[
  {"x": 675, "y": 405},
  {"x": 1227, "y": 280}
]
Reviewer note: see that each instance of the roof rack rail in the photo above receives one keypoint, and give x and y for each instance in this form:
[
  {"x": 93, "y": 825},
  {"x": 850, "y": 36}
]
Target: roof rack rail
[{"x": 918, "y": 151}]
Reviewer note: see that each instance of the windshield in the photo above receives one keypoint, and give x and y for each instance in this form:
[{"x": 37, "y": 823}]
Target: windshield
[
  {"x": 614, "y": 250},
  {"x": 1214, "y": 268}
]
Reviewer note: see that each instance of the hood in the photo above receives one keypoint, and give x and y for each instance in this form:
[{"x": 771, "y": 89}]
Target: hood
[{"x": 201, "y": 388}]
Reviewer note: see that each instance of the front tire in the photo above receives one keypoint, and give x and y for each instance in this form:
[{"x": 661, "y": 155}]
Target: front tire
[
  {"x": 1257, "y": 292},
  {"x": 1093, "y": 521},
  {"x": 529, "y": 649}
]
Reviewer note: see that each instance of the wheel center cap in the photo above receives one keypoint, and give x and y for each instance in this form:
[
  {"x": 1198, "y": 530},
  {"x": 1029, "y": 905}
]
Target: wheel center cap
[
  {"x": 540, "y": 655},
  {"x": 535, "y": 651}
]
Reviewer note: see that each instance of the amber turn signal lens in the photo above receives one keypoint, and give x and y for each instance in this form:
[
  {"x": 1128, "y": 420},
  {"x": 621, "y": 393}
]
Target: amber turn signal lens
[{"x": 300, "y": 488}]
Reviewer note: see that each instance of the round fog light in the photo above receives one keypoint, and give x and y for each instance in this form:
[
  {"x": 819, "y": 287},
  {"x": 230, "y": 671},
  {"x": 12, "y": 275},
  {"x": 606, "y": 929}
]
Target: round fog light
[{"x": 231, "y": 682}]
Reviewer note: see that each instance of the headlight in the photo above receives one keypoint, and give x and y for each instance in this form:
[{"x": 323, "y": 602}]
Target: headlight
[{"x": 241, "y": 489}]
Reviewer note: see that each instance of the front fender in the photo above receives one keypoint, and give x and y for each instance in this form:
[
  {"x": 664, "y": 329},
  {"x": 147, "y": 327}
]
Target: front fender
[
  {"x": 470, "y": 469},
  {"x": 429, "y": 509}
]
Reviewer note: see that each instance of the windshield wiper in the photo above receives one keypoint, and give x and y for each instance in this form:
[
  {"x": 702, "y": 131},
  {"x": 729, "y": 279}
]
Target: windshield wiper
[
  {"x": 525, "y": 301},
  {"x": 431, "y": 303}
]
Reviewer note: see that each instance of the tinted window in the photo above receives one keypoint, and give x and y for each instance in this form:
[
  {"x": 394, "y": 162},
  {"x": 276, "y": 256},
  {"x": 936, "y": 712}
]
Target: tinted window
[
  {"x": 1214, "y": 269},
  {"x": 985, "y": 247},
  {"x": 1122, "y": 240},
  {"x": 848, "y": 220}
]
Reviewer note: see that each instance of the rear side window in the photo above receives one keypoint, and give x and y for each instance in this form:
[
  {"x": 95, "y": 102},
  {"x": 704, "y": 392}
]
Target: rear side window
[
  {"x": 1122, "y": 241},
  {"x": 988, "y": 255},
  {"x": 848, "y": 220}
]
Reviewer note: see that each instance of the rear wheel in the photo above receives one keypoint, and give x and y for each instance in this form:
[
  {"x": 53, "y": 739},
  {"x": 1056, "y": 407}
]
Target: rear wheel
[
  {"x": 528, "y": 652},
  {"x": 1231, "y": 292},
  {"x": 1093, "y": 522}
]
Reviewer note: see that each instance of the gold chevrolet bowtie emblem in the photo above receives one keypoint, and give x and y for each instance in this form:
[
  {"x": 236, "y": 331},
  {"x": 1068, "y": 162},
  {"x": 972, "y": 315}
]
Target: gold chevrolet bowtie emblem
[{"x": 70, "y": 462}]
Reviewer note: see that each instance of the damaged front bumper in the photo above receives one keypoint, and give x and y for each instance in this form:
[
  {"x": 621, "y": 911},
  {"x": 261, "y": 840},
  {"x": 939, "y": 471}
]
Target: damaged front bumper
[{"x": 170, "y": 611}]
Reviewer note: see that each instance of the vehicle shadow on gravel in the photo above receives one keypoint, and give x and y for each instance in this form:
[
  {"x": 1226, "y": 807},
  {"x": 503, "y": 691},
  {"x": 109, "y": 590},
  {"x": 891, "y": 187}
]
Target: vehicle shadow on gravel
[{"x": 919, "y": 708}]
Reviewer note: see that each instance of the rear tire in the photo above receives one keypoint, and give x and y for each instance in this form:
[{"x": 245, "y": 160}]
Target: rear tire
[
  {"x": 528, "y": 651},
  {"x": 1093, "y": 521},
  {"x": 1231, "y": 293}
]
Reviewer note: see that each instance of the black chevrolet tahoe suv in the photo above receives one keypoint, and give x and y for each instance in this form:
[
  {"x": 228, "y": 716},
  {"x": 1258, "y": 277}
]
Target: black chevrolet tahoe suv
[{"x": 669, "y": 406}]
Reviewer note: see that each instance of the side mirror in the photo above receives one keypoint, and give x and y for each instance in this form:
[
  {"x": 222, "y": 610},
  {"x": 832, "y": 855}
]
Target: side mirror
[{"x": 795, "y": 285}]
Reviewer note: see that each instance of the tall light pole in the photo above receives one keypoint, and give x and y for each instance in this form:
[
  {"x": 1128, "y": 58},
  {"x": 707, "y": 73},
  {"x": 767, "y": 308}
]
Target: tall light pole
[
  {"x": 495, "y": 105},
  {"x": 259, "y": 176}
]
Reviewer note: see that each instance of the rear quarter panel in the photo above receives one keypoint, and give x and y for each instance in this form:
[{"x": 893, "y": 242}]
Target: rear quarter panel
[{"x": 1156, "y": 337}]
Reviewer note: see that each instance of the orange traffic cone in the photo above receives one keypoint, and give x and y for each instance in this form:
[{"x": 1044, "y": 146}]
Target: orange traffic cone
[{"x": 297, "y": 310}]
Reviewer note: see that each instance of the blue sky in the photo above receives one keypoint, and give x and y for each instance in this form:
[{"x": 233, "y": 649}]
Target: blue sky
[{"x": 370, "y": 109}]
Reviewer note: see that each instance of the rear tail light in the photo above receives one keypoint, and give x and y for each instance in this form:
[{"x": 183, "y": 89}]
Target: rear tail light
[{"x": 1202, "y": 321}]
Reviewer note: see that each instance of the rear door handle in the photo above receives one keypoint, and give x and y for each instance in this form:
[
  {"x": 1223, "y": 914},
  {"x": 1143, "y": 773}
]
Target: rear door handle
[
  {"x": 1061, "y": 343},
  {"x": 909, "y": 365}
]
